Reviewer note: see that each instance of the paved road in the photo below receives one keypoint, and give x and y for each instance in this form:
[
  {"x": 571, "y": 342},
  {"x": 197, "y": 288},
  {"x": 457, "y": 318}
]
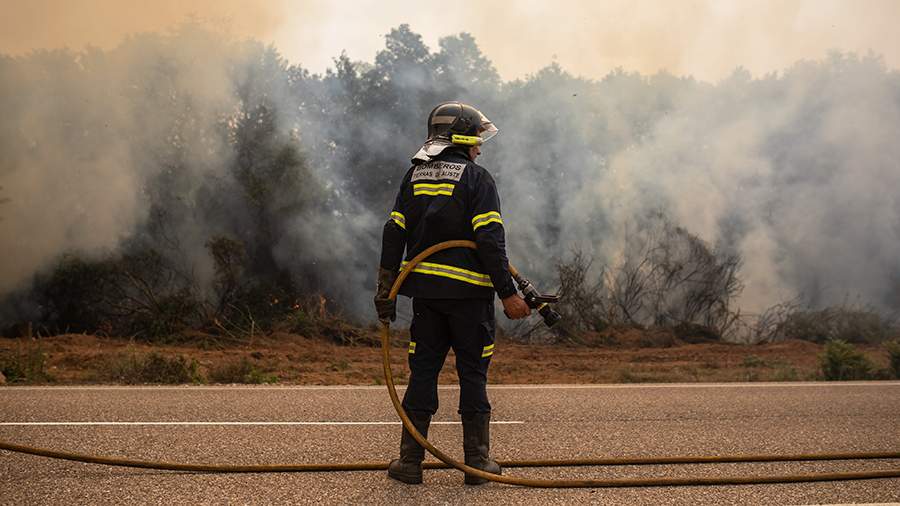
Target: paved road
[{"x": 340, "y": 424}]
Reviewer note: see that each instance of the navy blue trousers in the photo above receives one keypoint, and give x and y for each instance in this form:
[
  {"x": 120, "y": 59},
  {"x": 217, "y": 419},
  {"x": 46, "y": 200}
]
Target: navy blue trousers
[{"x": 467, "y": 326}]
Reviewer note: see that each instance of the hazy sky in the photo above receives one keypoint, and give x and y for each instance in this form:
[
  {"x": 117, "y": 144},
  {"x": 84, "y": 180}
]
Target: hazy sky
[{"x": 706, "y": 38}]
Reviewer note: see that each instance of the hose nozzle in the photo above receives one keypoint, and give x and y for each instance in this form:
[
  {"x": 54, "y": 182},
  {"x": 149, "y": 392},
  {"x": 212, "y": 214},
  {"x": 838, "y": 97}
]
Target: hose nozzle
[{"x": 538, "y": 301}]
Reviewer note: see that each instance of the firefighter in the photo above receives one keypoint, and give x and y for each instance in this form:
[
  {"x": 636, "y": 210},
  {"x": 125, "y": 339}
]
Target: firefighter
[{"x": 445, "y": 195}]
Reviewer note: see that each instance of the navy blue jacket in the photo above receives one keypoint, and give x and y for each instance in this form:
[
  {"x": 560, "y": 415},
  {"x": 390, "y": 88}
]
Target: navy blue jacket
[{"x": 450, "y": 197}]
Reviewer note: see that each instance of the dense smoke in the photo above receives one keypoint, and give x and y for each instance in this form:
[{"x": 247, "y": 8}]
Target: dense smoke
[
  {"x": 795, "y": 171},
  {"x": 169, "y": 141},
  {"x": 94, "y": 142}
]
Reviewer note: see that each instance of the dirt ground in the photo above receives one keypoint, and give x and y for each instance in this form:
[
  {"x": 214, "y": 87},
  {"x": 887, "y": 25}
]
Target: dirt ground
[{"x": 293, "y": 359}]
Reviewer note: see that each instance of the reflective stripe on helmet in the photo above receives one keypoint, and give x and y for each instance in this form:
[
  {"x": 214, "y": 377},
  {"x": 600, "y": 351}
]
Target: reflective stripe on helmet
[
  {"x": 449, "y": 120},
  {"x": 443, "y": 120},
  {"x": 466, "y": 140}
]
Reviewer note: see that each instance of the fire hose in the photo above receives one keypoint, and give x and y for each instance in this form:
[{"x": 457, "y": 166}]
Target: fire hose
[{"x": 448, "y": 462}]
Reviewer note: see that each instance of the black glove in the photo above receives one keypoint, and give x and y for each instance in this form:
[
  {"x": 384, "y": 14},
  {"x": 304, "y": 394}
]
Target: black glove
[{"x": 384, "y": 306}]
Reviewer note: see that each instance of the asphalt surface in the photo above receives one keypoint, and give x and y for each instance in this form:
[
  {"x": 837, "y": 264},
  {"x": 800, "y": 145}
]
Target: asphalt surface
[{"x": 345, "y": 424}]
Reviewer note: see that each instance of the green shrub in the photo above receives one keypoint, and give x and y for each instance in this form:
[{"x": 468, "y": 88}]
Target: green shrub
[
  {"x": 153, "y": 367},
  {"x": 27, "y": 364},
  {"x": 841, "y": 361},
  {"x": 627, "y": 376},
  {"x": 784, "y": 372},
  {"x": 893, "y": 348},
  {"x": 753, "y": 361},
  {"x": 242, "y": 371}
]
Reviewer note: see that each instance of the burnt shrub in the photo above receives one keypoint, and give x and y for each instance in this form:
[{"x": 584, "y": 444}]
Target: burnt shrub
[
  {"x": 230, "y": 260},
  {"x": 666, "y": 277},
  {"x": 841, "y": 361},
  {"x": 849, "y": 324},
  {"x": 246, "y": 298},
  {"x": 582, "y": 303},
  {"x": 74, "y": 296},
  {"x": 136, "y": 294},
  {"x": 312, "y": 317},
  {"x": 145, "y": 294}
]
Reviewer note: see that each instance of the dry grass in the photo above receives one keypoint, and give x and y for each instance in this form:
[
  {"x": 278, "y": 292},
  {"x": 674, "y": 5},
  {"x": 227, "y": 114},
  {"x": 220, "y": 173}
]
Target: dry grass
[{"x": 294, "y": 359}]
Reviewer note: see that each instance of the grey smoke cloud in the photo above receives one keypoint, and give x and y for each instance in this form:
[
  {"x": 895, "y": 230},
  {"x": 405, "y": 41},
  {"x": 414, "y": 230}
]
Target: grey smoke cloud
[
  {"x": 795, "y": 170},
  {"x": 85, "y": 144}
]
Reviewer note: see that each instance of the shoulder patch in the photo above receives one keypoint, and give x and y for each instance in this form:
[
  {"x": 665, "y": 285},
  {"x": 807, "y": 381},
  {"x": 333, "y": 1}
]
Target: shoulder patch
[{"x": 437, "y": 170}]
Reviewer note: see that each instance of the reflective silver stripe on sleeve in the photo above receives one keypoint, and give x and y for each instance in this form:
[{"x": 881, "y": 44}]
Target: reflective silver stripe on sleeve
[
  {"x": 486, "y": 218},
  {"x": 399, "y": 219}
]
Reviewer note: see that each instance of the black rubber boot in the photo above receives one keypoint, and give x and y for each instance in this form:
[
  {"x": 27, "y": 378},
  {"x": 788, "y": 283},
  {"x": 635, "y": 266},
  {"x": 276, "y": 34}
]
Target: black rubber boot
[
  {"x": 408, "y": 468},
  {"x": 477, "y": 445}
]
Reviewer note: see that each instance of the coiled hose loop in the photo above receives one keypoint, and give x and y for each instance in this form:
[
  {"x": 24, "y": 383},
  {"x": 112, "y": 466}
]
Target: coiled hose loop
[{"x": 587, "y": 483}]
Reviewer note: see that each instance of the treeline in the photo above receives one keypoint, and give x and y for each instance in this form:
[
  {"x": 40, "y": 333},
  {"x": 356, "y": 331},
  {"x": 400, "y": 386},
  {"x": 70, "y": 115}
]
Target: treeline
[
  {"x": 198, "y": 182},
  {"x": 192, "y": 181},
  {"x": 163, "y": 176}
]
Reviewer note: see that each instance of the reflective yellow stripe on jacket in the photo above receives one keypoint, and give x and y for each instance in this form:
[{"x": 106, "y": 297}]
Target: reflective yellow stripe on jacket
[
  {"x": 487, "y": 351},
  {"x": 433, "y": 189},
  {"x": 399, "y": 219},
  {"x": 486, "y": 218},
  {"x": 453, "y": 272}
]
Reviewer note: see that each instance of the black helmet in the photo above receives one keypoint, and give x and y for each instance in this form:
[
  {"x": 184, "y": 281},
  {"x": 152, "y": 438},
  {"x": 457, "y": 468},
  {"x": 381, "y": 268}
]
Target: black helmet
[
  {"x": 457, "y": 118},
  {"x": 455, "y": 123}
]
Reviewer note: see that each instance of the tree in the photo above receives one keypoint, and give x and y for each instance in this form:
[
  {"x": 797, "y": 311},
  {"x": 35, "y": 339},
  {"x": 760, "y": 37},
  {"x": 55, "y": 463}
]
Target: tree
[{"x": 463, "y": 70}]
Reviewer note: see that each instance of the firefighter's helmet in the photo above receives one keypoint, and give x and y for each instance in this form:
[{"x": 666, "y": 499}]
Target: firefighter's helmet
[{"x": 455, "y": 123}]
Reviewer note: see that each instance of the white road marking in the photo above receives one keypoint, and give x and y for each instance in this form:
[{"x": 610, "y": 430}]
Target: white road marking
[
  {"x": 42, "y": 424},
  {"x": 816, "y": 384}
]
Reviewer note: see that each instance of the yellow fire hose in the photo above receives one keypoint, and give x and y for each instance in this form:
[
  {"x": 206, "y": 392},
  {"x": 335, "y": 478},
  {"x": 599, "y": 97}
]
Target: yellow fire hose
[{"x": 448, "y": 462}]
